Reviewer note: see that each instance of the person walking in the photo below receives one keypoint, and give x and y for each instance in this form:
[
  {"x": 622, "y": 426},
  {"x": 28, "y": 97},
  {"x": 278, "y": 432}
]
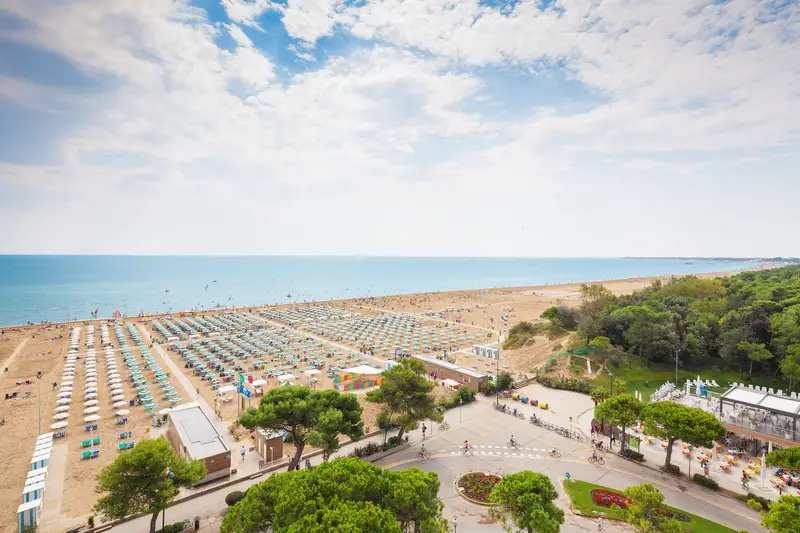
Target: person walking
[
  {"x": 599, "y": 523},
  {"x": 424, "y": 429},
  {"x": 242, "y": 452}
]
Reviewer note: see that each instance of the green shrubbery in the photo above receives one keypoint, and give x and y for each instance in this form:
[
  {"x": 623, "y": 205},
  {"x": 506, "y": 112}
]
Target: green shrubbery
[
  {"x": 707, "y": 482},
  {"x": 177, "y": 527},
  {"x": 234, "y": 497},
  {"x": 573, "y": 384}
]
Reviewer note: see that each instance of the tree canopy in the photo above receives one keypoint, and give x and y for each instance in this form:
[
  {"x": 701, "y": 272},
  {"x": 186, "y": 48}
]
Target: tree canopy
[
  {"x": 346, "y": 495},
  {"x": 783, "y": 515},
  {"x": 746, "y": 322},
  {"x": 785, "y": 458},
  {"x": 623, "y": 410},
  {"x": 673, "y": 421},
  {"x": 525, "y": 502},
  {"x": 407, "y": 393},
  {"x": 144, "y": 479},
  {"x": 307, "y": 416},
  {"x": 645, "y": 512}
]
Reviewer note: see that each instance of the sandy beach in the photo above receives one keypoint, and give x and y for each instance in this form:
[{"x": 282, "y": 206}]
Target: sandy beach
[{"x": 469, "y": 314}]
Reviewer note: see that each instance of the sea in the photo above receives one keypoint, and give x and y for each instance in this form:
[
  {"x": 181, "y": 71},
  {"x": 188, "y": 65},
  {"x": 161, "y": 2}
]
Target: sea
[{"x": 35, "y": 288}]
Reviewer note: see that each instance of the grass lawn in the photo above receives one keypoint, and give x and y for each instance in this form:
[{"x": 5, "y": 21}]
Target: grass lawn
[
  {"x": 648, "y": 380},
  {"x": 580, "y": 494}
]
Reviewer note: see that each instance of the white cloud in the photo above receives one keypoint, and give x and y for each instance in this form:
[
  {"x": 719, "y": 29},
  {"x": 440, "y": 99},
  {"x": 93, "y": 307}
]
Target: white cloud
[{"x": 390, "y": 147}]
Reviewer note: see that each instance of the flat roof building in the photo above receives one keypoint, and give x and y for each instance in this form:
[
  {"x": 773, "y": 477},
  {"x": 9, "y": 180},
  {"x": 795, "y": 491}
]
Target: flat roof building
[
  {"x": 442, "y": 370},
  {"x": 194, "y": 436}
]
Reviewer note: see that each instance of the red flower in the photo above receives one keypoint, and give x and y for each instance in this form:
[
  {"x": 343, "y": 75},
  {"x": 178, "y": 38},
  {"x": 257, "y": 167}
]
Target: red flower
[{"x": 608, "y": 498}]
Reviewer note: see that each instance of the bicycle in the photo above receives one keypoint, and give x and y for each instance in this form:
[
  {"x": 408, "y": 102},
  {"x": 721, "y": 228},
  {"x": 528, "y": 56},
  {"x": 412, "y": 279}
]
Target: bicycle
[
  {"x": 514, "y": 444},
  {"x": 520, "y": 415},
  {"x": 599, "y": 460},
  {"x": 468, "y": 451},
  {"x": 443, "y": 426},
  {"x": 555, "y": 454},
  {"x": 424, "y": 455}
]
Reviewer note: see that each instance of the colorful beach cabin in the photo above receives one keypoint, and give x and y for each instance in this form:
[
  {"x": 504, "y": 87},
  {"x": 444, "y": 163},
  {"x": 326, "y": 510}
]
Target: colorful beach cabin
[
  {"x": 28, "y": 515},
  {"x": 33, "y": 492},
  {"x": 359, "y": 377}
]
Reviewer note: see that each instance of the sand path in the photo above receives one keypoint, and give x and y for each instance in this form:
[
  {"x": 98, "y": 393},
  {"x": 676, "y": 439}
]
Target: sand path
[{"x": 10, "y": 360}]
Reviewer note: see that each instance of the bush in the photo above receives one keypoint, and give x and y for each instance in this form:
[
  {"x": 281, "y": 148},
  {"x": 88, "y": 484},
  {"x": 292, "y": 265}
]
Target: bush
[
  {"x": 489, "y": 388},
  {"x": 573, "y": 384},
  {"x": 465, "y": 394},
  {"x": 675, "y": 470},
  {"x": 366, "y": 450},
  {"x": 632, "y": 455},
  {"x": 234, "y": 497},
  {"x": 607, "y": 498},
  {"x": 707, "y": 482},
  {"x": 754, "y": 505},
  {"x": 177, "y": 527},
  {"x": 504, "y": 381},
  {"x": 764, "y": 502}
]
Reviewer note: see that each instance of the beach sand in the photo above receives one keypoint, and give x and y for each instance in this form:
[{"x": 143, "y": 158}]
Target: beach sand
[{"x": 44, "y": 351}]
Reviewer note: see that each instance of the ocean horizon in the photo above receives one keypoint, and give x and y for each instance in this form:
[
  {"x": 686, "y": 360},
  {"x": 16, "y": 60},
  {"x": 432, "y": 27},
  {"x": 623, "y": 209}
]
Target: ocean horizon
[{"x": 58, "y": 288}]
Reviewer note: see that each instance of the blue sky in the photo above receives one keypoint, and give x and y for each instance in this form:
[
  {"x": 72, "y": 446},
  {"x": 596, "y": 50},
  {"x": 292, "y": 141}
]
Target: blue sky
[{"x": 400, "y": 127}]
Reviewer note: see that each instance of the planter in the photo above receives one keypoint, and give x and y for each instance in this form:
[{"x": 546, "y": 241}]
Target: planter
[
  {"x": 380, "y": 455},
  {"x": 475, "y": 487}
]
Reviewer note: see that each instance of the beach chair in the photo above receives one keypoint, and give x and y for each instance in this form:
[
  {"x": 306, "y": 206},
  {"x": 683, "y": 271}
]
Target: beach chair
[
  {"x": 60, "y": 435},
  {"x": 95, "y": 453},
  {"x": 125, "y": 435},
  {"x": 86, "y": 455}
]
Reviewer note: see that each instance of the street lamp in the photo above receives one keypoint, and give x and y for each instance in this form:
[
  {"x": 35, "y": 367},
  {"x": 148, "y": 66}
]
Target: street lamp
[
  {"x": 271, "y": 457},
  {"x": 461, "y": 410},
  {"x": 611, "y": 384}
]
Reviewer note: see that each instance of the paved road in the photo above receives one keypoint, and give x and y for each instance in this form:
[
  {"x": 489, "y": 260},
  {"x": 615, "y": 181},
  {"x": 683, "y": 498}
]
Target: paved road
[{"x": 489, "y": 431}]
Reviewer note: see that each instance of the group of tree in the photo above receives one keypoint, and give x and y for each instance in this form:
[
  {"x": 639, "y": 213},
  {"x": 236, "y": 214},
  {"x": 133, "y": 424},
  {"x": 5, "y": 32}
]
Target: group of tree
[
  {"x": 666, "y": 420},
  {"x": 749, "y": 322},
  {"x": 783, "y": 515}
]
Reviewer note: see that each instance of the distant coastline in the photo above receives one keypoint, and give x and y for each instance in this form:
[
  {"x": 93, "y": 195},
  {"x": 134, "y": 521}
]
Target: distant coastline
[{"x": 62, "y": 289}]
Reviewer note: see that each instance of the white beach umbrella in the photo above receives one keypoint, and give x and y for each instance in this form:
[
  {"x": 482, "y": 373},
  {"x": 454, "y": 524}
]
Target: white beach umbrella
[
  {"x": 63, "y": 401},
  {"x": 65, "y": 388},
  {"x": 115, "y": 386},
  {"x": 64, "y": 394},
  {"x": 90, "y": 396},
  {"x": 114, "y": 381},
  {"x": 92, "y": 418},
  {"x": 68, "y": 375},
  {"x": 62, "y": 409},
  {"x": 120, "y": 404},
  {"x": 90, "y": 390},
  {"x": 61, "y": 416},
  {"x": 164, "y": 412},
  {"x": 122, "y": 412},
  {"x": 66, "y": 383},
  {"x": 59, "y": 425},
  {"x": 90, "y": 403},
  {"x": 90, "y": 410}
]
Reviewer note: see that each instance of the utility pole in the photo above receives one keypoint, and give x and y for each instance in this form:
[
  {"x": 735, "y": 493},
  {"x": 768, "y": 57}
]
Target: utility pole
[
  {"x": 497, "y": 379},
  {"x": 611, "y": 384},
  {"x": 677, "y": 351}
]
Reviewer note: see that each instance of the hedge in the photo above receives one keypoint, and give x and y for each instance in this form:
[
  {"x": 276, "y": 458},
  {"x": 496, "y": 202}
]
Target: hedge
[
  {"x": 700, "y": 479},
  {"x": 632, "y": 455}
]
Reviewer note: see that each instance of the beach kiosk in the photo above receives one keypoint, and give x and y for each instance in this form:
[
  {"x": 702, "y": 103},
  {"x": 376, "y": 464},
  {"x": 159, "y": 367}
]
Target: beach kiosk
[
  {"x": 28, "y": 515},
  {"x": 486, "y": 351},
  {"x": 359, "y": 377}
]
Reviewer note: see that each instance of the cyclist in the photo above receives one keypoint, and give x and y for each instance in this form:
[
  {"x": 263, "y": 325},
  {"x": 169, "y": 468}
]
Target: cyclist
[
  {"x": 422, "y": 451},
  {"x": 515, "y": 411},
  {"x": 745, "y": 479},
  {"x": 512, "y": 441},
  {"x": 466, "y": 446},
  {"x": 594, "y": 455},
  {"x": 554, "y": 451}
]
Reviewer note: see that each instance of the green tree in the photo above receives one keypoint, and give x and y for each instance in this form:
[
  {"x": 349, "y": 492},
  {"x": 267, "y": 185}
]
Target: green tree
[
  {"x": 790, "y": 364},
  {"x": 525, "y": 502},
  {"x": 144, "y": 480},
  {"x": 783, "y": 515},
  {"x": 599, "y": 394},
  {"x": 623, "y": 410},
  {"x": 620, "y": 385},
  {"x": 672, "y": 421},
  {"x": 645, "y": 512},
  {"x": 344, "y": 494},
  {"x": 407, "y": 393},
  {"x": 504, "y": 381},
  {"x": 602, "y": 343},
  {"x": 755, "y": 352},
  {"x": 307, "y": 417},
  {"x": 785, "y": 458}
]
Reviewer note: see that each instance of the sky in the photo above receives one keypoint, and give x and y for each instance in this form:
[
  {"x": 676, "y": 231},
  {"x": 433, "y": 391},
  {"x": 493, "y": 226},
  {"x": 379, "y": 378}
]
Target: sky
[{"x": 550, "y": 128}]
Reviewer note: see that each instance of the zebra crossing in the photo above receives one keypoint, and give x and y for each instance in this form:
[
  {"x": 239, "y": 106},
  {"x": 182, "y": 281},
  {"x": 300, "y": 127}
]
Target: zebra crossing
[{"x": 505, "y": 451}]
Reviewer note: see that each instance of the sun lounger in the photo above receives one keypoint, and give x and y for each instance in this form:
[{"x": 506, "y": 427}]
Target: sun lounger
[
  {"x": 91, "y": 427},
  {"x": 125, "y": 446}
]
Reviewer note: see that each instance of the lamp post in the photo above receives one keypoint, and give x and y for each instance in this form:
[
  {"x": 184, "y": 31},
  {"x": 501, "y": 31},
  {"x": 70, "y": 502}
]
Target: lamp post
[
  {"x": 461, "y": 410},
  {"x": 497, "y": 379},
  {"x": 611, "y": 384},
  {"x": 271, "y": 457}
]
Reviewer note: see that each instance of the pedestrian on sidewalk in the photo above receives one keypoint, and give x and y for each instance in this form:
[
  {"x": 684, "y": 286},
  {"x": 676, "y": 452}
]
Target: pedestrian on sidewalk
[
  {"x": 424, "y": 429},
  {"x": 197, "y": 390},
  {"x": 599, "y": 523},
  {"x": 613, "y": 438},
  {"x": 242, "y": 452}
]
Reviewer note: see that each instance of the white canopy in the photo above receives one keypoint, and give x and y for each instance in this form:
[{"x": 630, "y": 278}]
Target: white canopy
[
  {"x": 286, "y": 377},
  {"x": 450, "y": 383},
  {"x": 164, "y": 412},
  {"x": 362, "y": 369},
  {"x": 259, "y": 382},
  {"x": 312, "y": 372},
  {"x": 226, "y": 388}
]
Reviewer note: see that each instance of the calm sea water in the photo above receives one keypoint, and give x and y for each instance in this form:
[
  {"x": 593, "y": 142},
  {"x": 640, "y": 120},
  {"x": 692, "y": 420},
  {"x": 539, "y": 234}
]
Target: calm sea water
[{"x": 58, "y": 288}]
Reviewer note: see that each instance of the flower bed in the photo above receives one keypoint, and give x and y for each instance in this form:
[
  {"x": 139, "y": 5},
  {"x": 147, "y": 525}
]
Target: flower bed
[
  {"x": 476, "y": 486},
  {"x": 607, "y": 498}
]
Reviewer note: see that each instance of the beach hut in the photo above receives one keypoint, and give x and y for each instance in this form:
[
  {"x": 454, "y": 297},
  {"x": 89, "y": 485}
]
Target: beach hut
[
  {"x": 28, "y": 515},
  {"x": 33, "y": 492},
  {"x": 40, "y": 461}
]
